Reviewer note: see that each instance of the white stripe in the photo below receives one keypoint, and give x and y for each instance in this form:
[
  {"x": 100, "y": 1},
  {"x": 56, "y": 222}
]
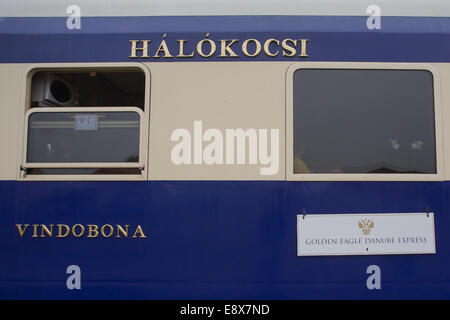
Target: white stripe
[{"x": 58, "y": 8}]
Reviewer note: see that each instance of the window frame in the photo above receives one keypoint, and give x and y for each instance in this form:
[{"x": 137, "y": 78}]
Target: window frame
[
  {"x": 291, "y": 176},
  {"x": 85, "y": 67}
]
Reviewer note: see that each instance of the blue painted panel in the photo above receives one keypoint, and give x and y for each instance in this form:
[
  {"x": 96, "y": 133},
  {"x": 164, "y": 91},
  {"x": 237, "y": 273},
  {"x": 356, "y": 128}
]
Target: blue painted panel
[{"x": 210, "y": 240}]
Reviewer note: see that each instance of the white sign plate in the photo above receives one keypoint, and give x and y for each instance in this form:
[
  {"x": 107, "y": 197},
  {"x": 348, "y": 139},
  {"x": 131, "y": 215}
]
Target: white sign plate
[{"x": 365, "y": 234}]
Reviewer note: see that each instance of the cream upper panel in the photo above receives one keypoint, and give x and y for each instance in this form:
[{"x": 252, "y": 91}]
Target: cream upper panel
[
  {"x": 220, "y": 95},
  {"x": 244, "y": 95}
]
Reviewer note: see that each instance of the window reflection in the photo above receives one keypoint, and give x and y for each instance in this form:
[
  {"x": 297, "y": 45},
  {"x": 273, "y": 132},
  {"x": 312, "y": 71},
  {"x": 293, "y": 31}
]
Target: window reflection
[{"x": 363, "y": 121}]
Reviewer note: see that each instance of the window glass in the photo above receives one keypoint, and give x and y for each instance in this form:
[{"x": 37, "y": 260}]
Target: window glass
[
  {"x": 64, "y": 137},
  {"x": 363, "y": 121}
]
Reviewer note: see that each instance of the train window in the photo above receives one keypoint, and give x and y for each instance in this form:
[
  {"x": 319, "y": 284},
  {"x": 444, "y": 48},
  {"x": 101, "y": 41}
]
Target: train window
[
  {"x": 363, "y": 122},
  {"x": 87, "y": 123}
]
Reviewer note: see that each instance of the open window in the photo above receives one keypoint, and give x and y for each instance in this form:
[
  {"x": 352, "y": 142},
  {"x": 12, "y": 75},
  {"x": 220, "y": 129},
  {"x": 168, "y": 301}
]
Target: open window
[
  {"x": 363, "y": 122},
  {"x": 86, "y": 123}
]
